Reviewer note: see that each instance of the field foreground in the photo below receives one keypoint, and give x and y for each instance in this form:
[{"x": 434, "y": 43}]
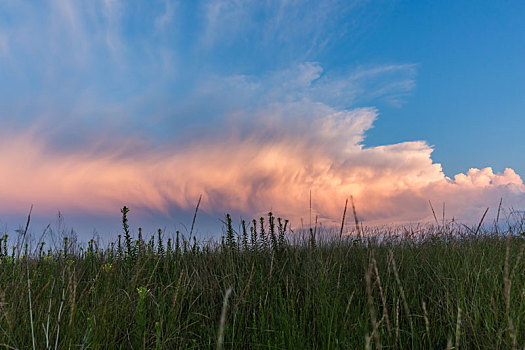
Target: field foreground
[{"x": 435, "y": 287}]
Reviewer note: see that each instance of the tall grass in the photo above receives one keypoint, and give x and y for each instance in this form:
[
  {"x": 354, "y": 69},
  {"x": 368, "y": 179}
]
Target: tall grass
[{"x": 428, "y": 287}]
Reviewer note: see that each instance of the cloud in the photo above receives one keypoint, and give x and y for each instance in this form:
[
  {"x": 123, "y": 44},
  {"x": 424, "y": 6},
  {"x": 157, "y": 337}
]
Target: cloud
[
  {"x": 297, "y": 28},
  {"x": 224, "y": 99},
  {"x": 269, "y": 161},
  {"x": 308, "y": 81},
  {"x": 79, "y": 60}
]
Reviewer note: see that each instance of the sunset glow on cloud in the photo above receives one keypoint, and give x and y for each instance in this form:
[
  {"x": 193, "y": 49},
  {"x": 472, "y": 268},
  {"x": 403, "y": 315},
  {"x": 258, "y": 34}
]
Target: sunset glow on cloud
[
  {"x": 270, "y": 166},
  {"x": 253, "y": 105}
]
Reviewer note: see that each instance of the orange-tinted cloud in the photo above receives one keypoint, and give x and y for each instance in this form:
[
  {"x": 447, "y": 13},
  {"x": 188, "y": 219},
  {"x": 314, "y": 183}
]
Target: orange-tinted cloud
[{"x": 272, "y": 163}]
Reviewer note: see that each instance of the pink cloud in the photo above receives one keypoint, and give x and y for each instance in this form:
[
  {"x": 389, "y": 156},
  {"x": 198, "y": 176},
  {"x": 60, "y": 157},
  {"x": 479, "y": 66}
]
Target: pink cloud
[{"x": 272, "y": 163}]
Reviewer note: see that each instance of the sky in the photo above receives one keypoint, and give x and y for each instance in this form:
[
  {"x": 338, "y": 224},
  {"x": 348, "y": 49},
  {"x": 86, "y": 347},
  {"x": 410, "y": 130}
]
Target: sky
[{"x": 256, "y": 106}]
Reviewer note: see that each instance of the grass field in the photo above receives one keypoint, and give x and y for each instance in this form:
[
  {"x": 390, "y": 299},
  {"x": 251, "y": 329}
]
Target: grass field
[{"x": 262, "y": 286}]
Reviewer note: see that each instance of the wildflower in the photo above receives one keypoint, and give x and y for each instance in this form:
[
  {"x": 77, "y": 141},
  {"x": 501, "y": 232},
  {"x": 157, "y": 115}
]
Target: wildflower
[{"x": 143, "y": 291}]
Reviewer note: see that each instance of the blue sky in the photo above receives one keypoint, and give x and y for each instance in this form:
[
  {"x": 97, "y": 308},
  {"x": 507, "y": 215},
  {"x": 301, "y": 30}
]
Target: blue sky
[
  {"x": 139, "y": 84},
  {"x": 468, "y": 95}
]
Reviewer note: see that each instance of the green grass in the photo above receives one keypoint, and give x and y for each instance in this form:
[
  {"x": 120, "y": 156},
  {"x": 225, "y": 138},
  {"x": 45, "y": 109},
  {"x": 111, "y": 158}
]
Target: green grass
[{"x": 437, "y": 288}]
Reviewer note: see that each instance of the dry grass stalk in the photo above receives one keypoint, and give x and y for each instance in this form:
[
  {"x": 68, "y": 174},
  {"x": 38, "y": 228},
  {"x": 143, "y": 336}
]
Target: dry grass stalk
[
  {"x": 220, "y": 338},
  {"x": 433, "y": 212},
  {"x": 72, "y": 295},
  {"x": 427, "y": 322},
  {"x": 195, "y": 215},
  {"x": 355, "y": 218},
  {"x": 348, "y": 309},
  {"x": 371, "y": 308},
  {"x": 46, "y": 328},
  {"x": 507, "y": 282},
  {"x": 343, "y": 220},
  {"x": 397, "y": 320},
  {"x": 383, "y": 297},
  {"x": 449, "y": 343},
  {"x": 401, "y": 290},
  {"x": 60, "y": 312},
  {"x": 458, "y": 328},
  {"x": 175, "y": 295},
  {"x": 481, "y": 221}
]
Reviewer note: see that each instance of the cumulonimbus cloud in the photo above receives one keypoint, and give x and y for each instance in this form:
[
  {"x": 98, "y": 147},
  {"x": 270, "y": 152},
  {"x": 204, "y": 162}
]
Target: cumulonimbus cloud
[
  {"x": 88, "y": 126},
  {"x": 270, "y": 161}
]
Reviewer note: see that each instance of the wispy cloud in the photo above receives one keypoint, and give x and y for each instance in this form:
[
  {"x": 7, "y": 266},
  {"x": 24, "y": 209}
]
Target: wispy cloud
[
  {"x": 299, "y": 29},
  {"x": 308, "y": 80}
]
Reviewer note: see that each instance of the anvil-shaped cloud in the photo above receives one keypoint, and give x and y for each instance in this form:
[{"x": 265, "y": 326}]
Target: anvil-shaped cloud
[
  {"x": 111, "y": 103},
  {"x": 271, "y": 162}
]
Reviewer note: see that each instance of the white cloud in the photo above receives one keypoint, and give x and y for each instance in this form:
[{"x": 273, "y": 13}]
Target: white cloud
[{"x": 486, "y": 178}]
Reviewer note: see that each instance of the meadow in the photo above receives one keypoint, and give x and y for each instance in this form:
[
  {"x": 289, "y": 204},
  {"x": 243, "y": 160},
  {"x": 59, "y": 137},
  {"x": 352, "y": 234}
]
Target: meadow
[{"x": 263, "y": 286}]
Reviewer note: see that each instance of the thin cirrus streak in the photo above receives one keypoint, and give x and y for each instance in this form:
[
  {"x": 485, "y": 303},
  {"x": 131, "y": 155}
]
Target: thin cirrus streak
[{"x": 274, "y": 163}]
